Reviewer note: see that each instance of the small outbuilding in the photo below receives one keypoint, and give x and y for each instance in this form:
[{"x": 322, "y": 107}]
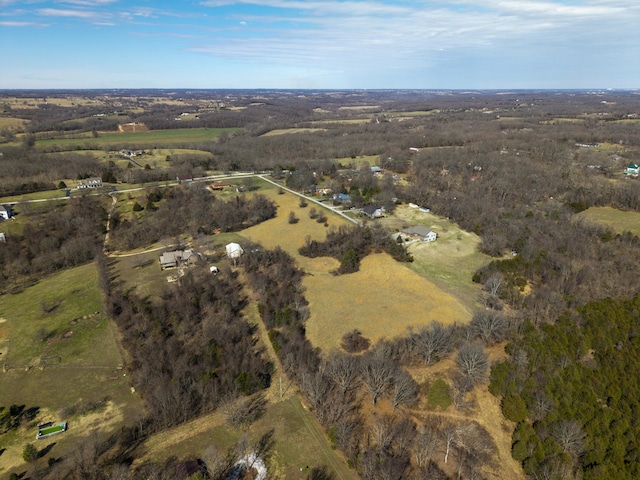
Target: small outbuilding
[{"x": 6, "y": 212}]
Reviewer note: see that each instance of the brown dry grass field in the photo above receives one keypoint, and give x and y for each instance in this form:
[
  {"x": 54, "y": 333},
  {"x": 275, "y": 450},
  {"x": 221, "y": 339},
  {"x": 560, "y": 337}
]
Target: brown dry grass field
[
  {"x": 12, "y": 123},
  {"x": 282, "y": 131},
  {"x": 450, "y": 261},
  {"x": 618, "y": 220},
  {"x": 381, "y": 300}
]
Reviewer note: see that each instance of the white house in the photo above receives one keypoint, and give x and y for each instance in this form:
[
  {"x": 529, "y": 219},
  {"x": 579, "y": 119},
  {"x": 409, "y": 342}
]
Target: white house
[
  {"x": 420, "y": 232},
  {"x": 93, "y": 182}
]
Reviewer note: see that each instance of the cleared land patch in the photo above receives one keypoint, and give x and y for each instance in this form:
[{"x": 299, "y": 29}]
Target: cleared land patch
[
  {"x": 382, "y": 300},
  {"x": 618, "y": 220},
  {"x": 282, "y": 131}
]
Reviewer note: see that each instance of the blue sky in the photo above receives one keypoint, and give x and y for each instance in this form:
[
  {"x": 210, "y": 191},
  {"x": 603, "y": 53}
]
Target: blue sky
[{"x": 430, "y": 44}]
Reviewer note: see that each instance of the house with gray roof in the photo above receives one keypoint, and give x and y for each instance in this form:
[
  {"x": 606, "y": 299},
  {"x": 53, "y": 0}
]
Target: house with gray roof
[
  {"x": 179, "y": 258},
  {"x": 420, "y": 232}
]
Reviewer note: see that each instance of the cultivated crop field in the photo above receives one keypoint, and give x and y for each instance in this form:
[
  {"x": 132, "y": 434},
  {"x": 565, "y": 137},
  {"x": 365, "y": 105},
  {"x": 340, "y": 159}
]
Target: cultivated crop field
[{"x": 618, "y": 220}]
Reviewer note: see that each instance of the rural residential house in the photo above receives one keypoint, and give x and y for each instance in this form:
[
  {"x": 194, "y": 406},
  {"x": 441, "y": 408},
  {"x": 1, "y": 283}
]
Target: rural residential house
[
  {"x": 420, "y": 232},
  {"x": 179, "y": 258},
  {"x": 373, "y": 211},
  {"x": 341, "y": 198},
  {"x": 93, "y": 182}
]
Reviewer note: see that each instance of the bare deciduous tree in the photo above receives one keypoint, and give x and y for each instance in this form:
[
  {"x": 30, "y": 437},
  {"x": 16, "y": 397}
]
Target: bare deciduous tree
[
  {"x": 425, "y": 445},
  {"x": 343, "y": 370},
  {"x": 489, "y": 325},
  {"x": 570, "y": 436},
  {"x": 404, "y": 389},
  {"x": 494, "y": 283},
  {"x": 317, "y": 388},
  {"x": 377, "y": 373},
  {"x": 473, "y": 362},
  {"x": 432, "y": 342},
  {"x": 383, "y": 430}
]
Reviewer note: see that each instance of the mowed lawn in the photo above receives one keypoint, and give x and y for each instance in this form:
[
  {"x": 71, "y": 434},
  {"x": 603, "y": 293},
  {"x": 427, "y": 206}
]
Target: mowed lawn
[
  {"x": 61, "y": 359},
  {"x": 617, "y": 220}
]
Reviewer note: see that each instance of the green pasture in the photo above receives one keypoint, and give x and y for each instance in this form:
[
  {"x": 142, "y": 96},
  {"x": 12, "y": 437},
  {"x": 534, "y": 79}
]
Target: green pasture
[
  {"x": 150, "y": 139},
  {"x": 57, "y": 316},
  {"x": 60, "y": 354},
  {"x": 618, "y": 220}
]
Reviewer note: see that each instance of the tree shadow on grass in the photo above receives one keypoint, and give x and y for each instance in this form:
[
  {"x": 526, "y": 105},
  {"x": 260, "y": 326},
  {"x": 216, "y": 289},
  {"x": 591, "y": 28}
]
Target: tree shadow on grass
[{"x": 46, "y": 450}]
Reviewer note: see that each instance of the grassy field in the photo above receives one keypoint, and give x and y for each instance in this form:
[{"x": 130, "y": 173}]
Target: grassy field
[
  {"x": 290, "y": 237},
  {"x": 282, "y": 131},
  {"x": 382, "y": 300},
  {"x": 60, "y": 353},
  {"x": 450, "y": 261},
  {"x": 12, "y": 123},
  {"x": 299, "y": 441},
  {"x": 618, "y": 220},
  {"x": 385, "y": 297},
  {"x": 160, "y": 138}
]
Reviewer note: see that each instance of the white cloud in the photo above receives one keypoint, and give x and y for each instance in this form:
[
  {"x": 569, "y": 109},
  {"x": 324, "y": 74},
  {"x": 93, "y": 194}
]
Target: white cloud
[
  {"x": 56, "y": 12},
  {"x": 22, "y": 24}
]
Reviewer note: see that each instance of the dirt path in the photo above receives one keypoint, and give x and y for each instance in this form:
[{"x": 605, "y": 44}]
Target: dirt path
[{"x": 281, "y": 388}]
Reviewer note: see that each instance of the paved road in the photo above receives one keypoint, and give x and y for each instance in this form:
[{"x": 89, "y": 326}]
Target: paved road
[{"x": 207, "y": 179}]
